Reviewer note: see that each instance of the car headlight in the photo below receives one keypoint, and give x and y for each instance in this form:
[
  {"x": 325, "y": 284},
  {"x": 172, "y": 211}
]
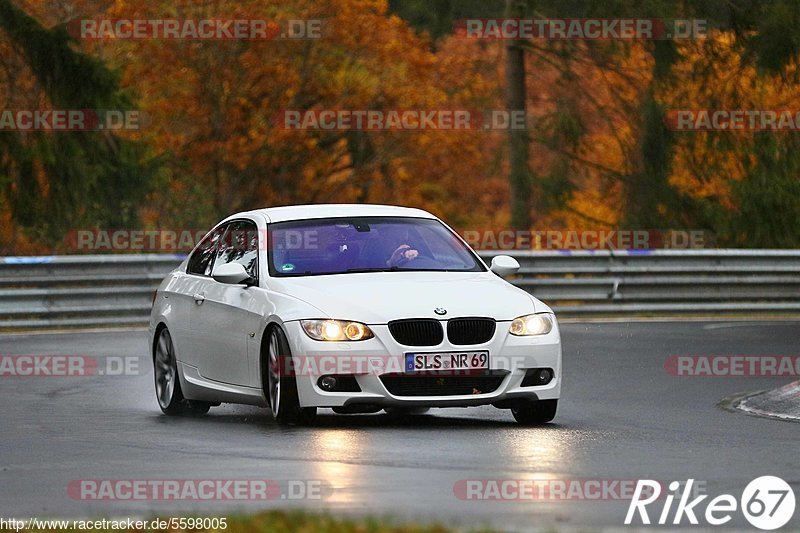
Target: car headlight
[
  {"x": 536, "y": 324},
  {"x": 336, "y": 330}
]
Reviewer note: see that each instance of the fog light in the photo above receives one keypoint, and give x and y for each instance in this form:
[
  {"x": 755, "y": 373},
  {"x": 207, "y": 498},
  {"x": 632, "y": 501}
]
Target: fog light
[
  {"x": 338, "y": 383},
  {"x": 536, "y": 377},
  {"x": 327, "y": 383}
]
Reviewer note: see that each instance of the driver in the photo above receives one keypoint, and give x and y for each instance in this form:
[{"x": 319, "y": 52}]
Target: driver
[{"x": 404, "y": 252}]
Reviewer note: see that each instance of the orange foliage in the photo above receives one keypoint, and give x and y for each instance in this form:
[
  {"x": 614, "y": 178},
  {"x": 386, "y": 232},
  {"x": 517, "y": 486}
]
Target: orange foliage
[{"x": 210, "y": 105}]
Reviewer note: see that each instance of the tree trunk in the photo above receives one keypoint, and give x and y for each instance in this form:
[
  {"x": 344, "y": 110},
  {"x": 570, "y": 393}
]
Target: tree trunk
[{"x": 520, "y": 178}]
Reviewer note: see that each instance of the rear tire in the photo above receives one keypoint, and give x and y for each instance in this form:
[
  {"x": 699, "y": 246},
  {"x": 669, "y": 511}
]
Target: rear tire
[
  {"x": 282, "y": 384},
  {"x": 535, "y": 413},
  {"x": 167, "y": 381}
]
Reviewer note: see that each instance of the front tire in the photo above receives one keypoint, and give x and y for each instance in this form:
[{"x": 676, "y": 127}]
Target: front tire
[
  {"x": 168, "y": 384},
  {"x": 535, "y": 413},
  {"x": 282, "y": 384}
]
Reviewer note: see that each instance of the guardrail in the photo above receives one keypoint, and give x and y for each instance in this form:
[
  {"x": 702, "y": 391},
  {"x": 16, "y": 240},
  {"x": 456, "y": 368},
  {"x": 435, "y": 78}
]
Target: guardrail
[
  {"x": 116, "y": 290},
  {"x": 658, "y": 282},
  {"x": 80, "y": 291}
]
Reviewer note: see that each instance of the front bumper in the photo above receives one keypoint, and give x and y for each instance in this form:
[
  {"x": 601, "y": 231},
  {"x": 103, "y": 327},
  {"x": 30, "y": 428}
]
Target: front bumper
[{"x": 509, "y": 357}]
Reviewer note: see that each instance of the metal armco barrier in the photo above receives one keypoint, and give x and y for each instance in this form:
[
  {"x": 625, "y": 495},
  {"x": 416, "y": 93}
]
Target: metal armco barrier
[
  {"x": 79, "y": 291},
  {"x": 663, "y": 282},
  {"x": 116, "y": 290}
]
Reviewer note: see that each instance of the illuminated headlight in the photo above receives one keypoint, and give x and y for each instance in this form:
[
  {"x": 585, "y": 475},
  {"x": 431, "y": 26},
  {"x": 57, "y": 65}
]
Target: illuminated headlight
[
  {"x": 336, "y": 330},
  {"x": 538, "y": 324}
]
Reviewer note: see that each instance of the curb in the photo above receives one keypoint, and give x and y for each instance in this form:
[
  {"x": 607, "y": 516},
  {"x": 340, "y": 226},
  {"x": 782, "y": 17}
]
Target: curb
[{"x": 782, "y": 403}]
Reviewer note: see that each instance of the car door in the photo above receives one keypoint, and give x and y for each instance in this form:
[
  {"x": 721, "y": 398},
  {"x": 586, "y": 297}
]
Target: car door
[
  {"x": 227, "y": 318},
  {"x": 183, "y": 293}
]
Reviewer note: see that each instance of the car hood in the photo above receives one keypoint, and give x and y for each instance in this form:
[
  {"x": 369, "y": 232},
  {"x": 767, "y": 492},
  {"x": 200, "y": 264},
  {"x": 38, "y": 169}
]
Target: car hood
[{"x": 378, "y": 297}]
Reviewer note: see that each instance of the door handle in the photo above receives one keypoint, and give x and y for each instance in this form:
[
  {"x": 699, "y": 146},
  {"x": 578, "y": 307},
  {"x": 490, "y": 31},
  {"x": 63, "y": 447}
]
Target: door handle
[{"x": 199, "y": 298}]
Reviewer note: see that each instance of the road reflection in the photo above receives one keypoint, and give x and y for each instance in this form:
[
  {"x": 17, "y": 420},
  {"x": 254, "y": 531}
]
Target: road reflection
[
  {"x": 538, "y": 449},
  {"x": 347, "y": 448},
  {"x": 339, "y": 449}
]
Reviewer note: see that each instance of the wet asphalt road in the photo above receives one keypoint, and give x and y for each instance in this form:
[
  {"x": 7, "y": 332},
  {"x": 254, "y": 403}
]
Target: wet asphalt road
[{"x": 622, "y": 417}]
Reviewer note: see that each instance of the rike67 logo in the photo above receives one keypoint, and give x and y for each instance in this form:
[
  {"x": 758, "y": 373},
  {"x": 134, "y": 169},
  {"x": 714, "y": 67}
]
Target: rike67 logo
[{"x": 767, "y": 502}]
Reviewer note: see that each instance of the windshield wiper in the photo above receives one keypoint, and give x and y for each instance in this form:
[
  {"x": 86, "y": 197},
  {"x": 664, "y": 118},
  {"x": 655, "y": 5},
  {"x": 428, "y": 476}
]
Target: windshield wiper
[
  {"x": 374, "y": 269},
  {"x": 395, "y": 269}
]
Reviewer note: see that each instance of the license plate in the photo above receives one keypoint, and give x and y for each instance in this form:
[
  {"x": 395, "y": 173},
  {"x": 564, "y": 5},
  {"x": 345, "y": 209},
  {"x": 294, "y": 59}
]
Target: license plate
[{"x": 434, "y": 362}]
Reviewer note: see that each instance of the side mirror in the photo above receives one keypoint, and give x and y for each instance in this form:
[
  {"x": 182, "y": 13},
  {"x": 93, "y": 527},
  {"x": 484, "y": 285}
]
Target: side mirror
[
  {"x": 232, "y": 274},
  {"x": 504, "y": 265}
]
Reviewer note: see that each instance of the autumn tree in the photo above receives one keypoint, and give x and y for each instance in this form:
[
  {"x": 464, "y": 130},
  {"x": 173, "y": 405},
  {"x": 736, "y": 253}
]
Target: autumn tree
[{"x": 51, "y": 182}]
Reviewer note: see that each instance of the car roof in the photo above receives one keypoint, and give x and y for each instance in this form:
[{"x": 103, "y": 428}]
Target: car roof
[{"x": 301, "y": 212}]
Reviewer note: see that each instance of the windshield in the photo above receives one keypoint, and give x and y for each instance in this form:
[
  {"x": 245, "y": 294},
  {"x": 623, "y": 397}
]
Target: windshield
[{"x": 366, "y": 244}]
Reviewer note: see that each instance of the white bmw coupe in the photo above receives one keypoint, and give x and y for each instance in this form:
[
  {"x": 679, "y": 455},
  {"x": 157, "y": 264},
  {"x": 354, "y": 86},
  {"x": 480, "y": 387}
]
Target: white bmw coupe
[{"x": 352, "y": 307}]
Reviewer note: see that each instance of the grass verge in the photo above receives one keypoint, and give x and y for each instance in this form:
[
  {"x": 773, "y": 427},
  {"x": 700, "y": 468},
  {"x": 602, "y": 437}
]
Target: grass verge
[{"x": 272, "y": 522}]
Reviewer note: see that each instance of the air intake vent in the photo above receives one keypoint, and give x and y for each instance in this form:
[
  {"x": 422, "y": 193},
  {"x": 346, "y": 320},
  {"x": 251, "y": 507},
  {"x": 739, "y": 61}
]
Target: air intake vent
[
  {"x": 463, "y": 331},
  {"x": 454, "y": 385},
  {"x": 417, "y": 331}
]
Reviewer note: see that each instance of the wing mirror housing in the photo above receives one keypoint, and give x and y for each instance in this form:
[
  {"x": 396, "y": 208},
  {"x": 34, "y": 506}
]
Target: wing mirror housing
[
  {"x": 504, "y": 265},
  {"x": 232, "y": 274}
]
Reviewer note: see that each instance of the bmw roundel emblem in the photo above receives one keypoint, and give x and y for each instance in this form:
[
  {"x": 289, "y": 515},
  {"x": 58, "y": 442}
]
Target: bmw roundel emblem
[{"x": 440, "y": 311}]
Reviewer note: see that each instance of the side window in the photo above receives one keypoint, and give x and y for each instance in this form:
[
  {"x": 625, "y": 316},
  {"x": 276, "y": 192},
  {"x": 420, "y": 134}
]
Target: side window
[
  {"x": 239, "y": 244},
  {"x": 200, "y": 260}
]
